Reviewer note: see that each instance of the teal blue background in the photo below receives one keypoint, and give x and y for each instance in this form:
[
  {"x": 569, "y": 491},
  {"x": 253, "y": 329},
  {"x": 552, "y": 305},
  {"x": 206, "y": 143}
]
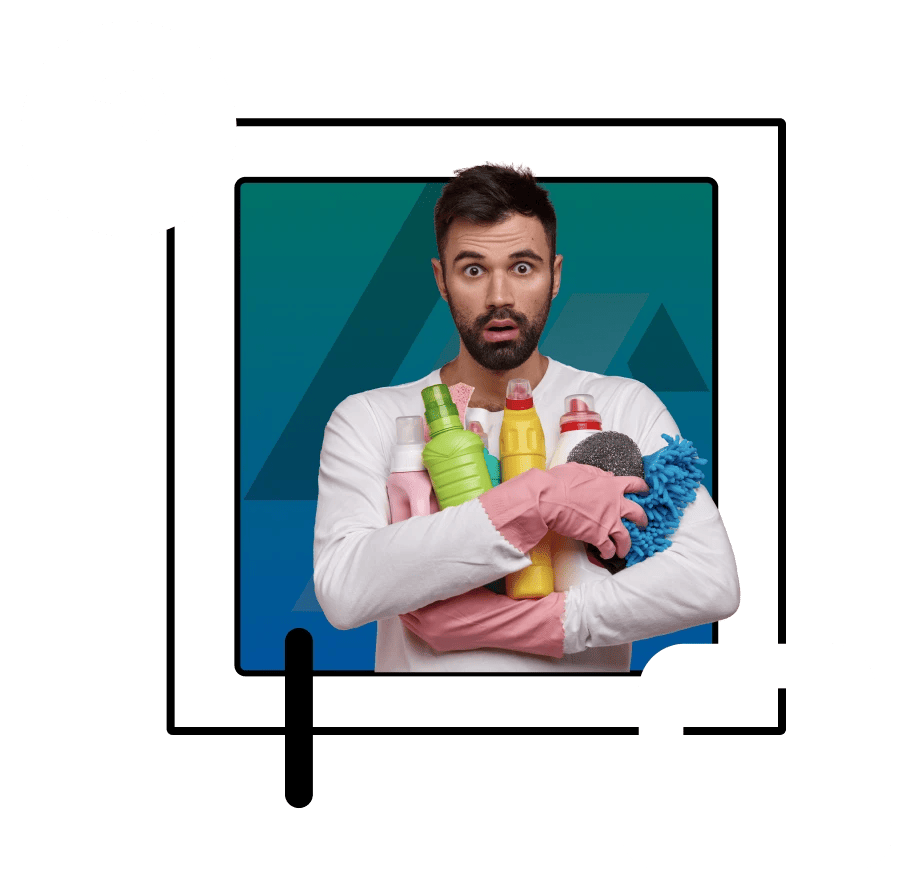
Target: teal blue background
[{"x": 337, "y": 296}]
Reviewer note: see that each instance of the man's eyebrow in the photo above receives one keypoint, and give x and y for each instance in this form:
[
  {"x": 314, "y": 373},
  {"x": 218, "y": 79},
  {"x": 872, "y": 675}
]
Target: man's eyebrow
[{"x": 523, "y": 253}]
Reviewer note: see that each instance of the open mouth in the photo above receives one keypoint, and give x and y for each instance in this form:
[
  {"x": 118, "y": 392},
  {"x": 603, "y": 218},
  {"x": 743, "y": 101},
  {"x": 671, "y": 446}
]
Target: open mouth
[{"x": 501, "y": 330}]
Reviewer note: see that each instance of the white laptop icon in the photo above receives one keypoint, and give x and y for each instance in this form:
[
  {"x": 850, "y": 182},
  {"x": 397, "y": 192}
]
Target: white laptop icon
[{"x": 830, "y": 820}]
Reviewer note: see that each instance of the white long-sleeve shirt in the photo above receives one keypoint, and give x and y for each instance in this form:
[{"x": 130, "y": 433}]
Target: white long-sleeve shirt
[{"x": 365, "y": 569}]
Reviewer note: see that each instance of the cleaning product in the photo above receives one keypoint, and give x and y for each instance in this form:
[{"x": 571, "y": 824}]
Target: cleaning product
[
  {"x": 612, "y": 451},
  {"x": 477, "y": 419},
  {"x": 618, "y": 454},
  {"x": 491, "y": 462},
  {"x": 454, "y": 456},
  {"x": 409, "y": 486},
  {"x": 522, "y": 447},
  {"x": 460, "y": 394},
  {"x": 673, "y": 475},
  {"x": 578, "y": 422}
]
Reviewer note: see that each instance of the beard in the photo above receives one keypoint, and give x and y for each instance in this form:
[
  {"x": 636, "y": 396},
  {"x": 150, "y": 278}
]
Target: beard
[{"x": 506, "y": 355}]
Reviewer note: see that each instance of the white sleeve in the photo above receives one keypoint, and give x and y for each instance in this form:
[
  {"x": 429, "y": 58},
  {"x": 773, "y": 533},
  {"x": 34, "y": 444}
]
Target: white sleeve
[
  {"x": 692, "y": 582},
  {"x": 365, "y": 569}
]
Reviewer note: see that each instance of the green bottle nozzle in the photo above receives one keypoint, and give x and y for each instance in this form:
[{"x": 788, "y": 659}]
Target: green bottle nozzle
[{"x": 441, "y": 411}]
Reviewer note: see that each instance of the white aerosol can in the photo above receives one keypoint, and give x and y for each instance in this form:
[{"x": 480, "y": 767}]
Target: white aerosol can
[{"x": 571, "y": 563}]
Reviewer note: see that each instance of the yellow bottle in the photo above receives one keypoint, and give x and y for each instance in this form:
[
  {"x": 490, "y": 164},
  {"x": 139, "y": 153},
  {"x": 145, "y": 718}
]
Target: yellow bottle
[{"x": 522, "y": 447}]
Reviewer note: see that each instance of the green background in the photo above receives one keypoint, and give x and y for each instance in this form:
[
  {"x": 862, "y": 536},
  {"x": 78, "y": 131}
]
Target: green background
[{"x": 99, "y": 794}]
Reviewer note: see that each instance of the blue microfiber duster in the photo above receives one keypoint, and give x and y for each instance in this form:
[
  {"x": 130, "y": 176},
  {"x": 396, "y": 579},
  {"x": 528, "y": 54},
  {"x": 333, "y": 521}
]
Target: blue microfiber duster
[{"x": 673, "y": 475}]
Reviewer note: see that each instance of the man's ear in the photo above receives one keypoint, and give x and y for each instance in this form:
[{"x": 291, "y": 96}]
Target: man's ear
[
  {"x": 556, "y": 274},
  {"x": 439, "y": 278}
]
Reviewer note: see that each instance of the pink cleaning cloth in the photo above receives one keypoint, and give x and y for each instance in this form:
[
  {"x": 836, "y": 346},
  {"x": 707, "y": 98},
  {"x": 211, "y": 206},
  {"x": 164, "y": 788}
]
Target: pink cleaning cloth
[
  {"x": 480, "y": 618},
  {"x": 460, "y": 395}
]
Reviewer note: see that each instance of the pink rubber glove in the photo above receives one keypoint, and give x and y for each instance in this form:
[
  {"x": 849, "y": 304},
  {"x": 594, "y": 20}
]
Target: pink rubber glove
[
  {"x": 481, "y": 618},
  {"x": 577, "y": 501}
]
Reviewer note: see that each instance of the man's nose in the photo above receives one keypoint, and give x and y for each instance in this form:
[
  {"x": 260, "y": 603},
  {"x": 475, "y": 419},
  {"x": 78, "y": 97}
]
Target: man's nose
[{"x": 500, "y": 292}]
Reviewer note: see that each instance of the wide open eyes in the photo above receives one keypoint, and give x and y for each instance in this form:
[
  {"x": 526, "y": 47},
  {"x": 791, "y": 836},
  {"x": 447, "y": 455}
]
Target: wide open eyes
[{"x": 474, "y": 270}]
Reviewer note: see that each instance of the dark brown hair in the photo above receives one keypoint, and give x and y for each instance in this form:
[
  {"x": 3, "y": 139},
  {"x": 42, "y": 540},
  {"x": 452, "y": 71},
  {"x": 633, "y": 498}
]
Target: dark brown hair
[{"x": 488, "y": 194}]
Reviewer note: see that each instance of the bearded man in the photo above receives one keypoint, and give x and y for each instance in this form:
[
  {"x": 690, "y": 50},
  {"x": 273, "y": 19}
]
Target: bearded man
[{"x": 423, "y": 580}]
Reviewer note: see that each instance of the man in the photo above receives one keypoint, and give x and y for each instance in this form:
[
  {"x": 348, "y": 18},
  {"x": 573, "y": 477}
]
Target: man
[{"x": 423, "y": 579}]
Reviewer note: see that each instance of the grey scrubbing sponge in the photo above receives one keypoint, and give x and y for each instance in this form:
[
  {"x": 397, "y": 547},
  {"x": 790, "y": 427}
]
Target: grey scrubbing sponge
[
  {"x": 616, "y": 453},
  {"x": 611, "y": 451},
  {"x": 673, "y": 475}
]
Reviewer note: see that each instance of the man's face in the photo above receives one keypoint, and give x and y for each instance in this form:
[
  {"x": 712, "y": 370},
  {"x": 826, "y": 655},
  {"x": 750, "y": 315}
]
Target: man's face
[{"x": 499, "y": 275}]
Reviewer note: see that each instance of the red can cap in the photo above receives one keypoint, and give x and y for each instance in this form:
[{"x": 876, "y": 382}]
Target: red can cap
[
  {"x": 579, "y": 413},
  {"x": 519, "y": 395}
]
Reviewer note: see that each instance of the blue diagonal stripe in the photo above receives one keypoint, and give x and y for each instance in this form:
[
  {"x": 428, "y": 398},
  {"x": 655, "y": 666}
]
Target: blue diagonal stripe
[{"x": 377, "y": 336}]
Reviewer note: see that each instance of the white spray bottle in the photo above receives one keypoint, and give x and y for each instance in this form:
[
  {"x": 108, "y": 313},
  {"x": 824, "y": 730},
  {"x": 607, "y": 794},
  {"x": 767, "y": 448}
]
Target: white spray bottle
[
  {"x": 409, "y": 486},
  {"x": 572, "y": 564}
]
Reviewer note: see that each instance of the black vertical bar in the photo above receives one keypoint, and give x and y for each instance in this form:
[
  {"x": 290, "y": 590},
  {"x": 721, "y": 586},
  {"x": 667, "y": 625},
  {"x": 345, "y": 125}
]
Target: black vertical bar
[
  {"x": 781, "y": 391},
  {"x": 781, "y": 384},
  {"x": 170, "y": 479},
  {"x": 298, "y": 717}
]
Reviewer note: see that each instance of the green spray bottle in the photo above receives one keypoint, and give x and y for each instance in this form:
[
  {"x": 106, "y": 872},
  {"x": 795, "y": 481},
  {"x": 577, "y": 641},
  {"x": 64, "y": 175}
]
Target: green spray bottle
[{"x": 454, "y": 456}]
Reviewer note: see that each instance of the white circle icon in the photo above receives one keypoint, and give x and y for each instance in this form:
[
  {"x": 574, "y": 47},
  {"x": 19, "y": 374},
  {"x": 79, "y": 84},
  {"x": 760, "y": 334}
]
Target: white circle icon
[{"x": 129, "y": 129}]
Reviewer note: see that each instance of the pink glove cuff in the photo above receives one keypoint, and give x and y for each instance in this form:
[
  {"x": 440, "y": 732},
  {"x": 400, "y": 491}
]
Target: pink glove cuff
[
  {"x": 512, "y": 508},
  {"x": 480, "y": 618}
]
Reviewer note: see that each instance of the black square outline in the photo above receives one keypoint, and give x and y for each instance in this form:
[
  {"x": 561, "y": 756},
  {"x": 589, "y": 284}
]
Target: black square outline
[{"x": 298, "y": 719}]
